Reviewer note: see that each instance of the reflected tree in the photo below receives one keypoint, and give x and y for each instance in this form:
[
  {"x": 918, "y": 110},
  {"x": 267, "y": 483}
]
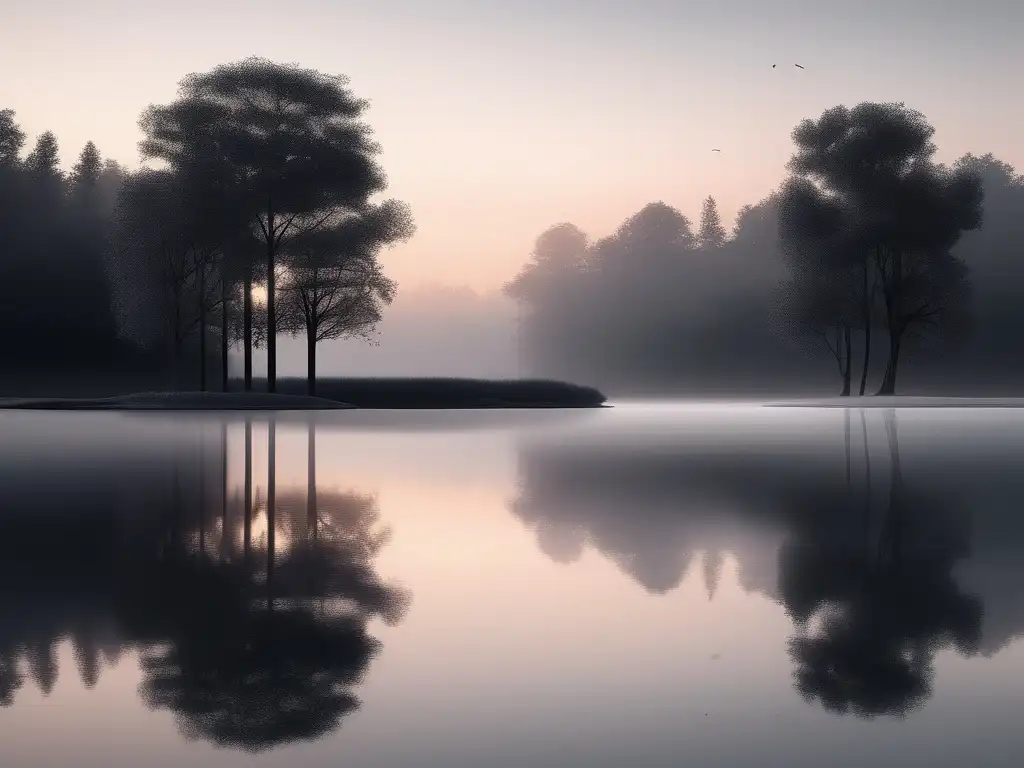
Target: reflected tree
[
  {"x": 870, "y": 618},
  {"x": 865, "y": 569},
  {"x": 135, "y": 553},
  {"x": 250, "y": 659}
]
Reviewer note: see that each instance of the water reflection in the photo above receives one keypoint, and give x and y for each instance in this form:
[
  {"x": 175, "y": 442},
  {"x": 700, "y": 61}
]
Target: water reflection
[
  {"x": 861, "y": 555},
  {"x": 250, "y": 615}
]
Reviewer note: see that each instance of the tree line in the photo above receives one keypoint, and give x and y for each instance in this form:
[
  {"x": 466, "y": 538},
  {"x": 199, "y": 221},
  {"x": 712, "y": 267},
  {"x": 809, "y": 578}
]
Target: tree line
[
  {"x": 255, "y": 216},
  {"x": 868, "y": 252}
]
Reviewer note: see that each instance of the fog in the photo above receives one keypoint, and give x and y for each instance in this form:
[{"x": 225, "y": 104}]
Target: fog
[{"x": 432, "y": 330}]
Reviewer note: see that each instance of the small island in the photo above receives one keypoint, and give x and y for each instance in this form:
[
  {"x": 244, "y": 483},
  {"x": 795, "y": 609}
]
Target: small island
[{"x": 340, "y": 394}]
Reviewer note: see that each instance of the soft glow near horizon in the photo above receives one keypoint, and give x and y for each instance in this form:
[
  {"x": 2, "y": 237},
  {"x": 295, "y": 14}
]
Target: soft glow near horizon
[{"x": 499, "y": 120}]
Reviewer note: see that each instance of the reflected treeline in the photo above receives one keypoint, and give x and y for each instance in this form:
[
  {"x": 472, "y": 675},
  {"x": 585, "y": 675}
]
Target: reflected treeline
[
  {"x": 249, "y": 610},
  {"x": 863, "y": 555}
]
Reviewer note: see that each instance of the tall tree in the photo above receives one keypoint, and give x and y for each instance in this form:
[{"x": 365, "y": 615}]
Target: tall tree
[
  {"x": 875, "y": 161},
  {"x": 924, "y": 287},
  {"x": 293, "y": 141},
  {"x": 820, "y": 244},
  {"x": 711, "y": 233}
]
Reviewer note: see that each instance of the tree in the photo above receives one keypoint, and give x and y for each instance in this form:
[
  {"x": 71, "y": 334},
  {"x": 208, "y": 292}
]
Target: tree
[
  {"x": 86, "y": 173},
  {"x": 12, "y": 139},
  {"x": 819, "y": 242},
  {"x": 45, "y": 156},
  {"x": 924, "y": 287},
  {"x": 874, "y": 162},
  {"x": 334, "y": 285},
  {"x": 711, "y": 233},
  {"x": 657, "y": 234},
  {"x": 560, "y": 251},
  {"x": 291, "y": 138},
  {"x": 155, "y": 261}
]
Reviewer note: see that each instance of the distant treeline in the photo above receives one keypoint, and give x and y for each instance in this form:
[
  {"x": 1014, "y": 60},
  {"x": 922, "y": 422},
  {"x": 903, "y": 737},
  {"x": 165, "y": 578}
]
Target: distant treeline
[
  {"x": 871, "y": 264},
  {"x": 263, "y": 189}
]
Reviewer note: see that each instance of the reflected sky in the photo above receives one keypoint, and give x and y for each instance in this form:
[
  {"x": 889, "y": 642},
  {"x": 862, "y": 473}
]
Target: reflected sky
[{"x": 648, "y": 586}]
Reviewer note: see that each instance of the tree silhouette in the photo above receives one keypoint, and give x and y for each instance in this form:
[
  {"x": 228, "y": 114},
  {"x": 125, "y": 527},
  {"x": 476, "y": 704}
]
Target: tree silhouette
[
  {"x": 873, "y": 163},
  {"x": 299, "y": 156},
  {"x": 823, "y": 297},
  {"x": 334, "y": 285},
  {"x": 872, "y": 593},
  {"x": 12, "y": 139},
  {"x": 711, "y": 233},
  {"x": 883, "y": 609},
  {"x": 252, "y": 659}
]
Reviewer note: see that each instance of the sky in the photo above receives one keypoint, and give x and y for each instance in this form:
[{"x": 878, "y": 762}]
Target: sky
[{"x": 500, "y": 119}]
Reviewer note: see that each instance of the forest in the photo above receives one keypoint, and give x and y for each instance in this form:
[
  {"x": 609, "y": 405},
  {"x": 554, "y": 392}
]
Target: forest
[
  {"x": 252, "y": 216},
  {"x": 257, "y": 212},
  {"x": 871, "y": 264}
]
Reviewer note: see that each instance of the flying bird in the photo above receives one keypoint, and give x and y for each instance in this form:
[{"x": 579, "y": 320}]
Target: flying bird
[
  {"x": 774, "y": 65},
  {"x": 798, "y": 66},
  {"x": 716, "y": 150}
]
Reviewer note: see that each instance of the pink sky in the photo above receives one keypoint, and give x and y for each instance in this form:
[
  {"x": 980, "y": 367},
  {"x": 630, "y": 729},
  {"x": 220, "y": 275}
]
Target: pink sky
[{"x": 498, "y": 119}]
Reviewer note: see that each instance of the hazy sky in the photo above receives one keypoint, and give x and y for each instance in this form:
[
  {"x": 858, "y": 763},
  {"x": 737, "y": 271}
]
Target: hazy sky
[{"x": 500, "y": 118}]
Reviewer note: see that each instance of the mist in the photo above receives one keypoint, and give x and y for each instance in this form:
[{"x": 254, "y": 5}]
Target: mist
[{"x": 430, "y": 330}]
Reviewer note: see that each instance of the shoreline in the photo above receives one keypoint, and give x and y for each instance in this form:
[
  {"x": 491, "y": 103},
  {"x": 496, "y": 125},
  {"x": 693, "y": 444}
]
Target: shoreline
[{"x": 900, "y": 401}]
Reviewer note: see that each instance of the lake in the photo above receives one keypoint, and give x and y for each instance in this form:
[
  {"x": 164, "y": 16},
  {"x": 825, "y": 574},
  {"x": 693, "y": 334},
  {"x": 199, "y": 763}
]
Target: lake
[{"x": 648, "y": 585}]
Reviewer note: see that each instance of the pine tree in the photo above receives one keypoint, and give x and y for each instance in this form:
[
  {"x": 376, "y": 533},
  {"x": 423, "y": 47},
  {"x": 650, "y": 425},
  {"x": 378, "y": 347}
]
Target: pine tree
[
  {"x": 711, "y": 233},
  {"x": 87, "y": 170},
  {"x": 12, "y": 138},
  {"x": 44, "y": 159}
]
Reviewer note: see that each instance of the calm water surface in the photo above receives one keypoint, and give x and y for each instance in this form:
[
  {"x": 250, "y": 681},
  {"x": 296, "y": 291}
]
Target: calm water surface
[{"x": 655, "y": 585}]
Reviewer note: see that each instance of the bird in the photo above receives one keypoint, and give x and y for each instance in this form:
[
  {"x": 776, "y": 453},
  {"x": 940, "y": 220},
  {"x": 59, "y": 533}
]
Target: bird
[
  {"x": 774, "y": 65},
  {"x": 798, "y": 66},
  {"x": 716, "y": 150}
]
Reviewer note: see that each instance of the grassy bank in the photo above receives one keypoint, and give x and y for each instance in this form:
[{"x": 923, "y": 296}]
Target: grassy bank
[{"x": 441, "y": 392}]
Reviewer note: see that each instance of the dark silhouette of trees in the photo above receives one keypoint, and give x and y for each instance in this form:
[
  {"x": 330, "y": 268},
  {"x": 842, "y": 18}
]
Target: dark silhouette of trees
[
  {"x": 868, "y": 563},
  {"x": 249, "y": 651},
  {"x": 642, "y": 310},
  {"x": 885, "y": 606},
  {"x": 334, "y": 286},
  {"x": 295, "y": 153},
  {"x": 158, "y": 262},
  {"x": 823, "y": 297},
  {"x": 711, "y": 233},
  {"x": 868, "y": 236},
  {"x": 876, "y": 189},
  {"x": 55, "y": 298},
  {"x": 559, "y": 253}
]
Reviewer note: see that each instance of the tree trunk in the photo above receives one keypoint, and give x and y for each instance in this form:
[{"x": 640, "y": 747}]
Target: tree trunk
[
  {"x": 310, "y": 360},
  {"x": 225, "y": 528},
  {"x": 247, "y": 331},
  {"x": 846, "y": 436},
  {"x": 247, "y": 522},
  {"x": 202, "y": 327},
  {"x": 271, "y": 508},
  {"x": 847, "y": 368},
  {"x": 178, "y": 340},
  {"x": 889, "y": 380},
  {"x": 271, "y": 309},
  {"x": 867, "y": 484},
  {"x": 867, "y": 331},
  {"x": 201, "y": 506},
  {"x": 311, "y": 506},
  {"x": 224, "y": 295},
  {"x": 894, "y": 309}
]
